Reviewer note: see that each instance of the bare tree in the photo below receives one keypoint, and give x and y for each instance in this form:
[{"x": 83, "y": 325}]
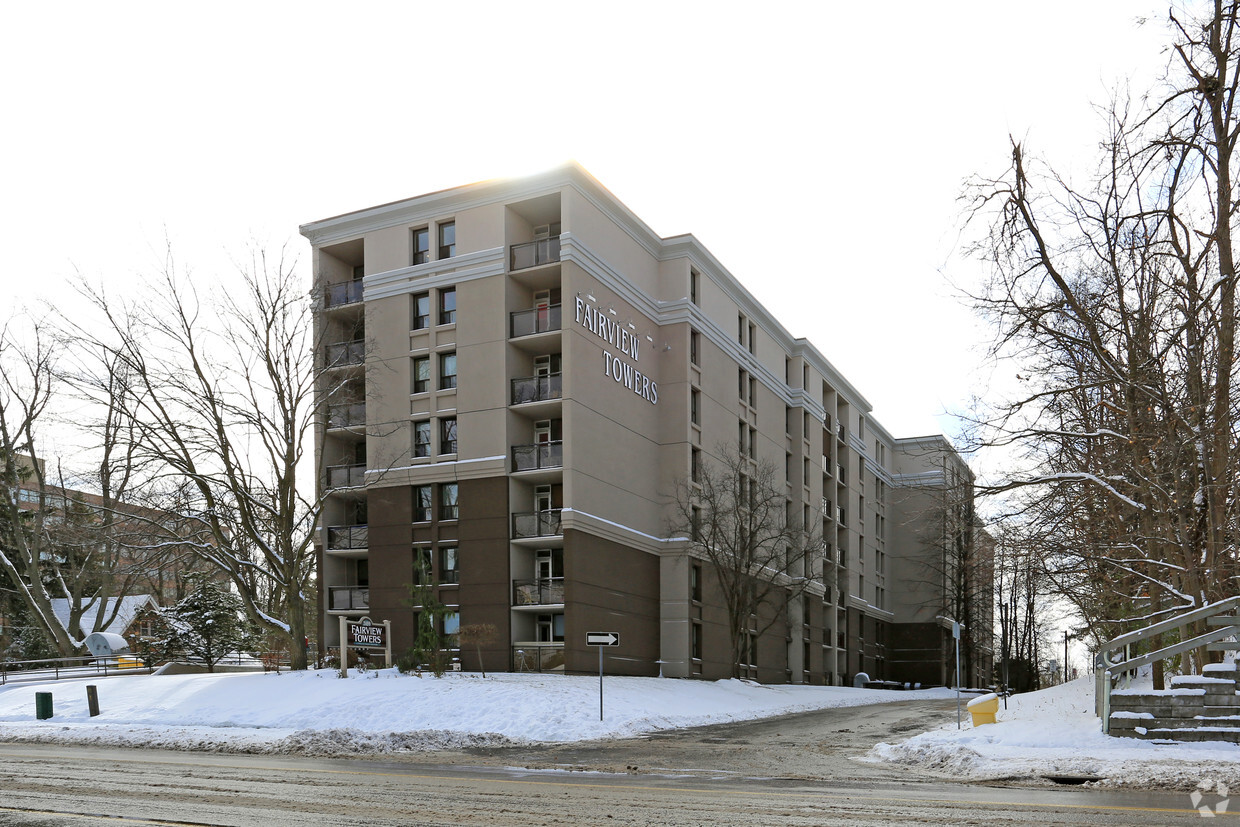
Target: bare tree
[
  {"x": 223, "y": 393},
  {"x": 26, "y": 544},
  {"x": 1117, "y": 301},
  {"x": 736, "y": 516}
]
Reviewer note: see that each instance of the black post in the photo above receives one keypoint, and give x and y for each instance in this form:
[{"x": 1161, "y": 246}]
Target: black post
[{"x": 92, "y": 700}]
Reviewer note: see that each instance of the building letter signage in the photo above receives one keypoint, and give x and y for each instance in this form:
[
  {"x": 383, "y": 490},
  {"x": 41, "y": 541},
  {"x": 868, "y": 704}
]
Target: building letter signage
[{"x": 613, "y": 333}]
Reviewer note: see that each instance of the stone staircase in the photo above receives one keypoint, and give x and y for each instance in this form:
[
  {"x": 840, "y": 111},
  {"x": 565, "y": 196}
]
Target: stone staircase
[{"x": 1196, "y": 708}]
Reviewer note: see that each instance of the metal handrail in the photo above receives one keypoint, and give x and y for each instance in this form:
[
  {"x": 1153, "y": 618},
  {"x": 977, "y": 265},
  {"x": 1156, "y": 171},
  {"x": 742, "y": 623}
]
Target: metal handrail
[{"x": 1112, "y": 660}]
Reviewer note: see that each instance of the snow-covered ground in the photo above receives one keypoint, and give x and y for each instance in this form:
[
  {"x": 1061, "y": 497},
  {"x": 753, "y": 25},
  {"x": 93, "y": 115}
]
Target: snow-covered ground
[
  {"x": 1052, "y": 732},
  {"x": 383, "y": 711},
  {"x": 1055, "y": 732}
]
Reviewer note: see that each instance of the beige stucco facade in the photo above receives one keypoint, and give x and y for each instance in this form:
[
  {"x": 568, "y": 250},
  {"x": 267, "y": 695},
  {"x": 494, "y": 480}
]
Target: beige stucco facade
[{"x": 531, "y": 361}]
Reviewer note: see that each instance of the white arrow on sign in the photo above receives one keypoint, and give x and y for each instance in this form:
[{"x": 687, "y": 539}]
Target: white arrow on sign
[{"x": 602, "y": 639}]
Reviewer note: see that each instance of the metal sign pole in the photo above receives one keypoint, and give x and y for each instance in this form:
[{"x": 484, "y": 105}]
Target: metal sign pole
[
  {"x": 956, "y": 635},
  {"x": 600, "y": 683},
  {"x": 344, "y": 649}
]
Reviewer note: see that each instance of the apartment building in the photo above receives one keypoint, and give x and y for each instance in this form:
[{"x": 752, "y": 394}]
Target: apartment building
[{"x": 519, "y": 372}]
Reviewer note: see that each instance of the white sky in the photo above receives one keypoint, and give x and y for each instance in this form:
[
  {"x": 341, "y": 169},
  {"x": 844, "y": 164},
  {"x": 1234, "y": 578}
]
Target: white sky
[{"x": 777, "y": 133}]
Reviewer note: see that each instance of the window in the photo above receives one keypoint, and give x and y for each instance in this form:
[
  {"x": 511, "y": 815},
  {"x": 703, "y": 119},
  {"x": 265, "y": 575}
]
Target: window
[
  {"x": 695, "y": 464},
  {"x": 451, "y": 623},
  {"x": 694, "y": 285},
  {"x": 447, "y": 370},
  {"x": 421, "y": 311},
  {"x": 753, "y": 392},
  {"x": 695, "y": 344},
  {"x": 696, "y": 642},
  {"x": 740, "y": 328},
  {"x": 447, "y": 239},
  {"x": 695, "y": 404},
  {"x": 695, "y": 524},
  {"x": 422, "y": 439},
  {"x": 753, "y": 338},
  {"x": 421, "y": 374},
  {"x": 448, "y": 508},
  {"x": 448, "y": 572},
  {"x": 447, "y": 435},
  {"x": 742, "y": 383},
  {"x": 447, "y": 306},
  {"x": 695, "y": 583},
  {"x": 421, "y": 503},
  {"x": 422, "y": 565},
  {"x": 421, "y": 245}
]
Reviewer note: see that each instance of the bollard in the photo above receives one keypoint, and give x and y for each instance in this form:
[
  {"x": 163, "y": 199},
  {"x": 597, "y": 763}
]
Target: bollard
[
  {"x": 43, "y": 705},
  {"x": 92, "y": 700}
]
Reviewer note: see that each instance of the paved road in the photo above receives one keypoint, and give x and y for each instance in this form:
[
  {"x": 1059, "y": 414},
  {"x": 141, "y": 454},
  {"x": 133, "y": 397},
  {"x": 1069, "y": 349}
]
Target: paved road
[{"x": 788, "y": 771}]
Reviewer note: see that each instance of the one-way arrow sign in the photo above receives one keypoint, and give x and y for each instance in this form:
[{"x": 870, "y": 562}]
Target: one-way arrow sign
[{"x": 602, "y": 639}]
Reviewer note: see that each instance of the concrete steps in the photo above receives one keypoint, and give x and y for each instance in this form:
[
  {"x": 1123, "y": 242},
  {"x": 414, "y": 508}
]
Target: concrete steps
[{"x": 1202, "y": 707}]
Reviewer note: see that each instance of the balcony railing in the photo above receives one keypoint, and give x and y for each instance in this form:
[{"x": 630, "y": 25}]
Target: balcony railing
[
  {"x": 537, "y": 388},
  {"x": 538, "y": 456},
  {"x": 344, "y": 599},
  {"x": 547, "y": 658},
  {"x": 346, "y": 476},
  {"x": 348, "y": 536},
  {"x": 536, "y": 524},
  {"x": 343, "y": 354},
  {"x": 545, "y": 591},
  {"x": 535, "y": 320},
  {"x": 348, "y": 292},
  {"x": 346, "y": 415},
  {"x": 543, "y": 251}
]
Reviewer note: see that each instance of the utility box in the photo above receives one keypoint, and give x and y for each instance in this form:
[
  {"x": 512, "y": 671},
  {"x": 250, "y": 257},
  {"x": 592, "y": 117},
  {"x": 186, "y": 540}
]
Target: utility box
[
  {"x": 43, "y": 705},
  {"x": 983, "y": 709}
]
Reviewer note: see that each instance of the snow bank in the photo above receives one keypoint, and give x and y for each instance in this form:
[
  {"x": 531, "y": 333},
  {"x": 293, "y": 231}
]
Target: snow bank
[
  {"x": 1055, "y": 732},
  {"x": 383, "y": 711}
]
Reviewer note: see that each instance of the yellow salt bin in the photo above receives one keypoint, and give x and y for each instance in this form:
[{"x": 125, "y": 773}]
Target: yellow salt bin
[{"x": 983, "y": 709}]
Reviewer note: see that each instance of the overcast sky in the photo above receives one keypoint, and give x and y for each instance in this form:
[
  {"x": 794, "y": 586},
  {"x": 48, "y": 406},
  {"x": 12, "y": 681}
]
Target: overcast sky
[{"x": 816, "y": 148}]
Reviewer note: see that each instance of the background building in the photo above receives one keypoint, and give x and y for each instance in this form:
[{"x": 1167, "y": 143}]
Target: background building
[{"x": 519, "y": 374}]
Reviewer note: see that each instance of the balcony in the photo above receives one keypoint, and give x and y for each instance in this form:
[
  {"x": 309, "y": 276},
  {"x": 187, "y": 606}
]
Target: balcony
[
  {"x": 536, "y": 524},
  {"x": 546, "y": 591},
  {"x": 346, "y": 415},
  {"x": 346, "y": 476},
  {"x": 543, "y": 319},
  {"x": 537, "y": 388},
  {"x": 344, "y": 354},
  {"x": 349, "y": 292},
  {"x": 538, "y": 456},
  {"x": 348, "y": 598},
  {"x": 348, "y": 537},
  {"x": 534, "y": 254}
]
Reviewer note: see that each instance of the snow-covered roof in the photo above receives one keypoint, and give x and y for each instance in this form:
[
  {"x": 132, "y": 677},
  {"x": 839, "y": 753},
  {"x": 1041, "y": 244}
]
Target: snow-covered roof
[{"x": 129, "y": 609}]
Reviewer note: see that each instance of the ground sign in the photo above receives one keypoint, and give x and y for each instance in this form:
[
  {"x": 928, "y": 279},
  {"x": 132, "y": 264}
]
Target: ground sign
[{"x": 364, "y": 634}]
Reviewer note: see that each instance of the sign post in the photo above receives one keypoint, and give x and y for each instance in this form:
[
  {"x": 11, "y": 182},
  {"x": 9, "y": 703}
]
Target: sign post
[
  {"x": 601, "y": 639},
  {"x": 956, "y": 635}
]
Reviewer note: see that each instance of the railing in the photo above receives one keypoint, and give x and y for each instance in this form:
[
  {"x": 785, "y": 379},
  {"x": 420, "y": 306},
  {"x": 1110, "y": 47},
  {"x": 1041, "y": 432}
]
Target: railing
[
  {"x": 348, "y": 292},
  {"x": 543, "y": 251},
  {"x": 54, "y": 669},
  {"x": 535, "y": 320},
  {"x": 343, "y": 354},
  {"x": 538, "y": 658},
  {"x": 346, "y": 415},
  {"x": 1114, "y": 661},
  {"x": 345, "y": 598},
  {"x": 544, "y": 591},
  {"x": 537, "y": 388},
  {"x": 346, "y": 476},
  {"x": 538, "y": 456},
  {"x": 348, "y": 536},
  {"x": 536, "y": 524}
]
